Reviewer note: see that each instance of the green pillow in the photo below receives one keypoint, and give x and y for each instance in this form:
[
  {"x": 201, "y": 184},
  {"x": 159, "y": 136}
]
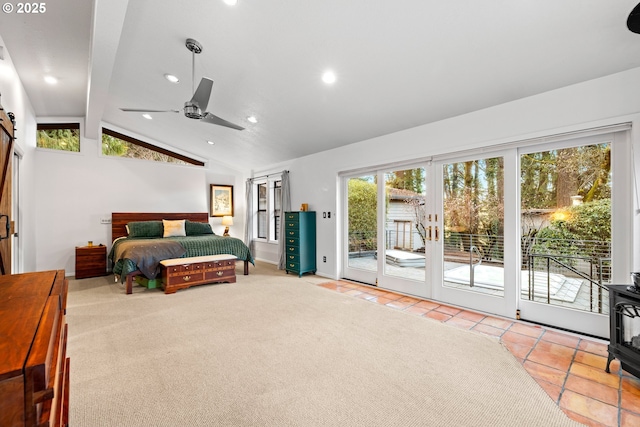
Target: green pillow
[
  {"x": 197, "y": 228},
  {"x": 145, "y": 229}
]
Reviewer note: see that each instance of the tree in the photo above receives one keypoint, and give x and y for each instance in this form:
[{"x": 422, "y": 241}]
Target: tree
[{"x": 363, "y": 205}]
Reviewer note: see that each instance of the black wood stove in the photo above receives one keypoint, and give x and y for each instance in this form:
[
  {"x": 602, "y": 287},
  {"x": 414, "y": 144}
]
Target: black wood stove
[{"x": 624, "y": 319}]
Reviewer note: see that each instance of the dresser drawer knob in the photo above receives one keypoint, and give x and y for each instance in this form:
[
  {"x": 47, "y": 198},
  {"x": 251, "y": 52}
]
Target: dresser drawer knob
[
  {"x": 186, "y": 278},
  {"x": 219, "y": 273}
]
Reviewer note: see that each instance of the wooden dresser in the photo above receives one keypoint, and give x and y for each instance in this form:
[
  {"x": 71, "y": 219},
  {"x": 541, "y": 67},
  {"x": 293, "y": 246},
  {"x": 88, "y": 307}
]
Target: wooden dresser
[
  {"x": 34, "y": 368},
  {"x": 300, "y": 243},
  {"x": 91, "y": 261}
]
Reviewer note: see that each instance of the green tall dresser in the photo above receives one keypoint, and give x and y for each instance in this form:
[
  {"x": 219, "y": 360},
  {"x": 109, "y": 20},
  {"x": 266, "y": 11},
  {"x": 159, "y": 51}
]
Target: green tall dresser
[{"x": 300, "y": 242}]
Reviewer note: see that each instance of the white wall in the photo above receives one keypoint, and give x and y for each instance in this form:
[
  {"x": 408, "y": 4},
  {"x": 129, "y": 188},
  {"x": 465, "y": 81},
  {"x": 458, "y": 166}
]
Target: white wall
[
  {"x": 608, "y": 100},
  {"x": 76, "y": 190}
]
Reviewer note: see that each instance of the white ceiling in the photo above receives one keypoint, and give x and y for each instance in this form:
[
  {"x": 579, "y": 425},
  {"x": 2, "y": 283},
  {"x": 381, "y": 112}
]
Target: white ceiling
[{"x": 399, "y": 64}]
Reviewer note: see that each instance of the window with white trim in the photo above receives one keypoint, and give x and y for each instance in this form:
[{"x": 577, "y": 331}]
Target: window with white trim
[{"x": 268, "y": 211}]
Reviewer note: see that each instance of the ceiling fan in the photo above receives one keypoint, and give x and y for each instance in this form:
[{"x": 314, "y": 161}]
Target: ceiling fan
[{"x": 196, "y": 107}]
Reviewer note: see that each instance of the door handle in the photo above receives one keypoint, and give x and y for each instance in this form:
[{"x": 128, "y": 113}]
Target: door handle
[
  {"x": 429, "y": 233},
  {"x": 437, "y": 233}
]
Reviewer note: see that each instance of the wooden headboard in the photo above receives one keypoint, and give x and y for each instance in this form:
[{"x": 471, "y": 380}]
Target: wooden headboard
[{"x": 120, "y": 219}]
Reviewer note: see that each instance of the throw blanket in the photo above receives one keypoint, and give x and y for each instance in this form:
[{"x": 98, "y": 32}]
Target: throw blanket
[{"x": 147, "y": 254}]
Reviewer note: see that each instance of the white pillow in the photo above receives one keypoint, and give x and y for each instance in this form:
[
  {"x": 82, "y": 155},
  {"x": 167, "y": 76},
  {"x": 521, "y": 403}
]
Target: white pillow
[{"x": 173, "y": 228}]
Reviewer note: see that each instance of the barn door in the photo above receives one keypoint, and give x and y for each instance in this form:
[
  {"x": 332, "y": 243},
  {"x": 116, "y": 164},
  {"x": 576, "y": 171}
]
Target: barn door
[{"x": 6, "y": 157}]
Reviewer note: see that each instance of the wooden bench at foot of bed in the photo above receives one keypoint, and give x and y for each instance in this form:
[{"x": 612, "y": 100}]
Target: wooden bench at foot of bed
[{"x": 182, "y": 273}]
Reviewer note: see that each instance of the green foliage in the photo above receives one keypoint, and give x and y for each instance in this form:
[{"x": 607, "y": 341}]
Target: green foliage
[
  {"x": 581, "y": 231},
  {"x": 112, "y": 146},
  {"x": 59, "y": 139},
  {"x": 362, "y": 213}
]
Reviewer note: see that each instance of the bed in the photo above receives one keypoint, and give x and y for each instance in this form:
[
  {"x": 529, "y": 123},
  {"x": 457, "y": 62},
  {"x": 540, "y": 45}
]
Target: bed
[{"x": 139, "y": 254}]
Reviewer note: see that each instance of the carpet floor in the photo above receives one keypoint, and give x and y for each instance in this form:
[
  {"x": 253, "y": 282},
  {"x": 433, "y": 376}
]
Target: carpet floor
[{"x": 275, "y": 350}]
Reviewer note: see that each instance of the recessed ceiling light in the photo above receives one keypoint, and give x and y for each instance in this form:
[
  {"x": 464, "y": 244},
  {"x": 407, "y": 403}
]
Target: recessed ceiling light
[
  {"x": 252, "y": 119},
  {"x": 210, "y": 142},
  {"x": 50, "y": 79},
  {"x": 231, "y": 2},
  {"x": 329, "y": 77},
  {"x": 171, "y": 78},
  {"x": 147, "y": 116}
]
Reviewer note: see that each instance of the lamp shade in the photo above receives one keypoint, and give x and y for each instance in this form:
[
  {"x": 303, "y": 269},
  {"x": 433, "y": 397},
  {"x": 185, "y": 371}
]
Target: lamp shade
[{"x": 227, "y": 220}]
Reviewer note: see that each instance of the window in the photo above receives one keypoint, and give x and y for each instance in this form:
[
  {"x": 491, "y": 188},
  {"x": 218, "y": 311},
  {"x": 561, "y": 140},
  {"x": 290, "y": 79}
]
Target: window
[
  {"x": 119, "y": 145},
  {"x": 59, "y": 136},
  {"x": 269, "y": 199}
]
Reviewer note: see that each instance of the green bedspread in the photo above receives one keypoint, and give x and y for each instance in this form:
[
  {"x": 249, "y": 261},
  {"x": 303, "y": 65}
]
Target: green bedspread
[{"x": 209, "y": 244}]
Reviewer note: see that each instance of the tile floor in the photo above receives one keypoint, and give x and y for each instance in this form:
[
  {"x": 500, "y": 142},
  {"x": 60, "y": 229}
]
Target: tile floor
[{"x": 569, "y": 367}]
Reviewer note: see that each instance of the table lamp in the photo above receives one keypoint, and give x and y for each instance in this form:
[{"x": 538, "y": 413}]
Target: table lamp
[{"x": 227, "y": 221}]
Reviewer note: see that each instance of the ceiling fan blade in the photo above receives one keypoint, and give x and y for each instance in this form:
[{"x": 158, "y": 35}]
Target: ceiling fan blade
[
  {"x": 213, "y": 119},
  {"x": 203, "y": 93},
  {"x": 135, "y": 110}
]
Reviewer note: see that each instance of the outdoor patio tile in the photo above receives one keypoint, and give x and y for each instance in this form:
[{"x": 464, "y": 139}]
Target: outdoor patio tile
[
  {"x": 460, "y": 323},
  {"x": 497, "y": 322},
  {"x": 545, "y": 373},
  {"x": 592, "y": 389},
  {"x": 629, "y": 419},
  {"x": 593, "y": 347},
  {"x": 452, "y": 311},
  {"x": 513, "y": 337},
  {"x": 595, "y": 374},
  {"x": 488, "y": 330},
  {"x": 471, "y": 315},
  {"x": 590, "y": 408},
  {"x": 560, "y": 338},
  {"x": 531, "y": 331},
  {"x": 437, "y": 315},
  {"x": 552, "y": 390}
]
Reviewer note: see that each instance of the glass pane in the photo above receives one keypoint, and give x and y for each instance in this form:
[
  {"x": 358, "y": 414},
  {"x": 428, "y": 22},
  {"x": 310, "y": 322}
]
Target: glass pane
[
  {"x": 473, "y": 198},
  {"x": 262, "y": 197},
  {"x": 65, "y": 139},
  {"x": 405, "y": 231},
  {"x": 566, "y": 226},
  {"x": 262, "y": 225},
  {"x": 362, "y": 201}
]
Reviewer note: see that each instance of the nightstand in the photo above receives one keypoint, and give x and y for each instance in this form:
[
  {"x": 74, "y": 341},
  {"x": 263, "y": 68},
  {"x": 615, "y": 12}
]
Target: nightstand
[{"x": 91, "y": 261}]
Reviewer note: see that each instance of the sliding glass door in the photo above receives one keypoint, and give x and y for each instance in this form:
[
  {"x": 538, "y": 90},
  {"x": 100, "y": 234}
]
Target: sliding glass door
[
  {"x": 472, "y": 252},
  {"x": 535, "y": 229}
]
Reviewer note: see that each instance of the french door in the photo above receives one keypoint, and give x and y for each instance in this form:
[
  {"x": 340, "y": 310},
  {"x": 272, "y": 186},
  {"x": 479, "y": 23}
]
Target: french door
[{"x": 536, "y": 229}]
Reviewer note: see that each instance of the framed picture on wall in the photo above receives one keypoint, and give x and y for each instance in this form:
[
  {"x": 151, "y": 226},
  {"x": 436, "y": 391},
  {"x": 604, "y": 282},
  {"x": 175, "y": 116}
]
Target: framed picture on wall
[{"x": 221, "y": 200}]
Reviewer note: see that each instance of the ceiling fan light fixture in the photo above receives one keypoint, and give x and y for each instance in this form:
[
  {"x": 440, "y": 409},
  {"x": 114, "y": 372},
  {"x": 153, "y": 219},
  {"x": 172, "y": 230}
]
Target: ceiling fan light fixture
[
  {"x": 172, "y": 78},
  {"x": 147, "y": 116}
]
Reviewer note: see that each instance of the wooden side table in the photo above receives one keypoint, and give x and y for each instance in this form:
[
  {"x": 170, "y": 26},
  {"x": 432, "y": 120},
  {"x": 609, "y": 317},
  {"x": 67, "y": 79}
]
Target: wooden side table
[{"x": 91, "y": 261}]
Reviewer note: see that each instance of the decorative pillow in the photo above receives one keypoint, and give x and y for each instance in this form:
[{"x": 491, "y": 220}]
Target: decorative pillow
[
  {"x": 197, "y": 228},
  {"x": 173, "y": 228},
  {"x": 145, "y": 229}
]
